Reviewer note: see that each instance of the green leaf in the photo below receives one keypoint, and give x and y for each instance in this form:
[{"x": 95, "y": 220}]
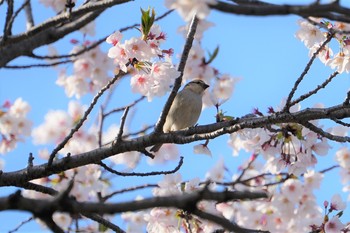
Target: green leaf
[
  {"x": 147, "y": 20},
  {"x": 213, "y": 55}
]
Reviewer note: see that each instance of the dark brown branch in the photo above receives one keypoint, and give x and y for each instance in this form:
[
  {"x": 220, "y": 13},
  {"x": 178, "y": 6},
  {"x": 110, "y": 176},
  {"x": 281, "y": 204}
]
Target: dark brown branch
[
  {"x": 104, "y": 222},
  {"x": 183, "y": 201},
  {"x": 122, "y": 123},
  {"x": 197, "y": 133},
  {"x": 39, "y": 188},
  {"x": 319, "y": 87},
  {"x": 21, "y": 224},
  {"x": 178, "y": 81},
  {"x": 331, "y": 11},
  {"x": 221, "y": 221},
  {"x": 325, "y": 134},
  {"x": 142, "y": 173},
  {"x": 37, "y": 65},
  {"x": 340, "y": 122},
  {"x": 306, "y": 69},
  {"x": 12, "y": 20},
  {"x": 329, "y": 169},
  {"x": 128, "y": 190},
  {"x": 8, "y": 24},
  {"x": 123, "y": 108}
]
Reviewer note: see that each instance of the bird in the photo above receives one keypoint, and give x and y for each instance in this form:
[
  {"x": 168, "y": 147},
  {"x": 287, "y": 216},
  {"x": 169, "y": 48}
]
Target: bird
[{"x": 185, "y": 109}]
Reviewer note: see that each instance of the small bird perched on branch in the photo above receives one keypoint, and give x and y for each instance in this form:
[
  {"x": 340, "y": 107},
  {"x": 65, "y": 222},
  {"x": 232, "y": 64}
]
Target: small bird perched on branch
[{"x": 186, "y": 108}]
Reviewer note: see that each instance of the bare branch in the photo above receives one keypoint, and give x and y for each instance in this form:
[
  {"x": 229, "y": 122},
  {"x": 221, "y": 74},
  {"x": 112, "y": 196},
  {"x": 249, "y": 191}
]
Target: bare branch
[
  {"x": 104, "y": 222},
  {"x": 8, "y": 24},
  {"x": 122, "y": 123},
  {"x": 123, "y": 108},
  {"x": 319, "y": 87},
  {"x": 21, "y": 224},
  {"x": 306, "y": 69},
  {"x": 197, "y": 133},
  {"x": 183, "y": 201},
  {"x": 140, "y": 173},
  {"x": 331, "y": 10},
  {"x": 128, "y": 190},
  {"x": 37, "y": 65},
  {"x": 39, "y": 188},
  {"x": 325, "y": 134},
  {"x": 221, "y": 221}
]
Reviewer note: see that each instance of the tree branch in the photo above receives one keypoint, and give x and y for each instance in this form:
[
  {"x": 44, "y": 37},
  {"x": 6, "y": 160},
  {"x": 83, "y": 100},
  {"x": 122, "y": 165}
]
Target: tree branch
[
  {"x": 306, "y": 69},
  {"x": 72, "y": 206},
  {"x": 331, "y": 11},
  {"x": 142, "y": 174},
  {"x": 197, "y": 133}
]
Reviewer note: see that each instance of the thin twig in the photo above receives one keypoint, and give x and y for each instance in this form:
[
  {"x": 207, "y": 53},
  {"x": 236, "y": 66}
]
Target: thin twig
[
  {"x": 306, "y": 69},
  {"x": 140, "y": 173},
  {"x": 319, "y": 87},
  {"x": 245, "y": 169},
  {"x": 340, "y": 122},
  {"x": 39, "y": 188},
  {"x": 128, "y": 190},
  {"x": 123, "y": 108},
  {"x": 37, "y": 65},
  {"x": 21, "y": 224},
  {"x": 329, "y": 169},
  {"x": 325, "y": 134},
  {"x": 16, "y": 14},
  {"x": 80, "y": 123},
  {"x": 122, "y": 123}
]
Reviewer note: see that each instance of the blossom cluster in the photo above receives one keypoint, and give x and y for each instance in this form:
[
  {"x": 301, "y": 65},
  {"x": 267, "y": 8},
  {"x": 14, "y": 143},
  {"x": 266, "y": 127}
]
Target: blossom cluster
[
  {"x": 14, "y": 125},
  {"x": 292, "y": 206},
  {"x": 57, "y": 125},
  {"x": 343, "y": 159},
  {"x": 289, "y": 146},
  {"x": 172, "y": 219},
  {"x": 153, "y": 72},
  {"x": 90, "y": 72},
  {"x": 313, "y": 37}
]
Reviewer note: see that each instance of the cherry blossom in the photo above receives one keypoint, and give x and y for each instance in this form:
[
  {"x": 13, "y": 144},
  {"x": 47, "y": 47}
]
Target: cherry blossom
[
  {"x": 309, "y": 34},
  {"x": 187, "y": 9},
  {"x": 14, "y": 125},
  {"x": 90, "y": 73},
  {"x": 334, "y": 225}
]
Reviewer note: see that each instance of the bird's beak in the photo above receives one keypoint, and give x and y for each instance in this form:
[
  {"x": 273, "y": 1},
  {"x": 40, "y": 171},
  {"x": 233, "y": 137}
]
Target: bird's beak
[{"x": 205, "y": 86}]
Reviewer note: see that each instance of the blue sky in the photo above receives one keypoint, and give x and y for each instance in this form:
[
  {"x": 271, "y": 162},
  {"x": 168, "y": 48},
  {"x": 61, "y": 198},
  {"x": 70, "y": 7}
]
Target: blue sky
[{"x": 262, "y": 51}]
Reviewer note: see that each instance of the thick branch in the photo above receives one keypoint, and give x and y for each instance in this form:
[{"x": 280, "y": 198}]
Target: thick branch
[
  {"x": 331, "y": 11},
  {"x": 183, "y": 201},
  {"x": 210, "y": 131},
  {"x": 52, "y": 30}
]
